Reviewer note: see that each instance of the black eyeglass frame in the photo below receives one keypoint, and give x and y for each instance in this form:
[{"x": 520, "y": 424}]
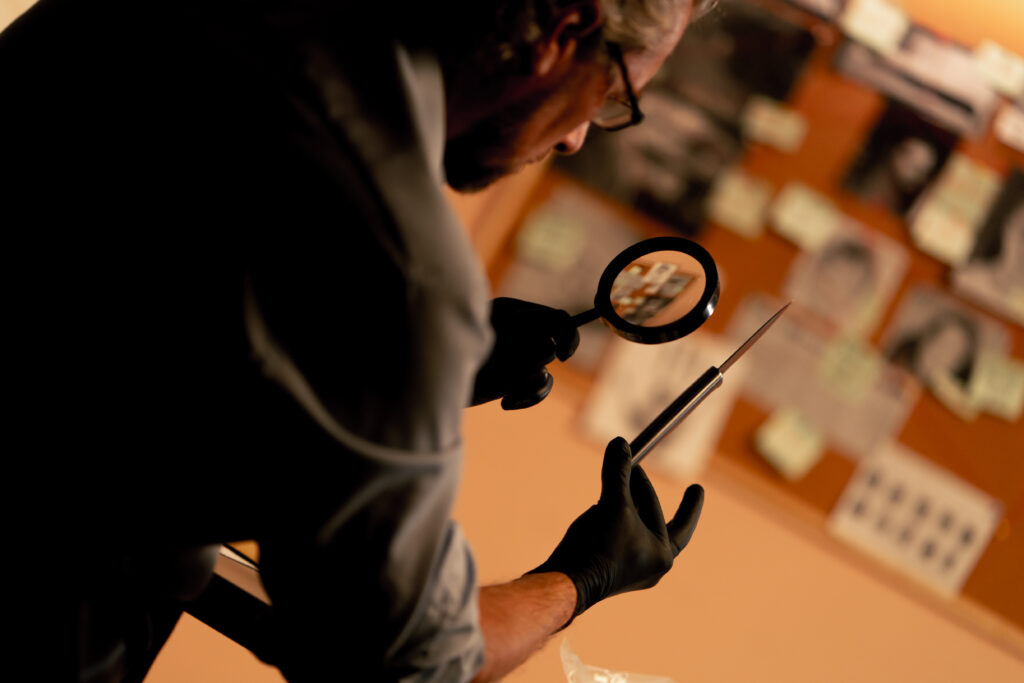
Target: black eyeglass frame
[{"x": 636, "y": 116}]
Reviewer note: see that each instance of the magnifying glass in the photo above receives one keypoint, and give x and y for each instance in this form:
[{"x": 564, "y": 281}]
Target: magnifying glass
[{"x": 656, "y": 291}]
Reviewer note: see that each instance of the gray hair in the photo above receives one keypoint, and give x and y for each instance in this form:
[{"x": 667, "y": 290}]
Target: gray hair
[
  {"x": 638, "y": 25},
  {"x": 501, "y": 33}
]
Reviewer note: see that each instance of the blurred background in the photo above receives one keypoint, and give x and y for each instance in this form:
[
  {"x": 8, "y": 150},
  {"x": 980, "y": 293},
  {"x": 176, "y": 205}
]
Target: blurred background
[{"x": 864, "y": 464}]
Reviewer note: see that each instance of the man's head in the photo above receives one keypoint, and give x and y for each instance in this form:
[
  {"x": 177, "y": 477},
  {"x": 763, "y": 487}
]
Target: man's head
[{"x": 542, "y": 71}]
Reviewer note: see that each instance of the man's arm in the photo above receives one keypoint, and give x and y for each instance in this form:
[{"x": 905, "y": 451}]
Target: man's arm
[
  {"x": 518, "y": 617},
  {"x": 620, "y": 544}
]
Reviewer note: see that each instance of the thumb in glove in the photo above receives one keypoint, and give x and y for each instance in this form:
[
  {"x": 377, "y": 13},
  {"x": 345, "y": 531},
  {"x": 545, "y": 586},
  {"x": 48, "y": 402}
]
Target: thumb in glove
[{"x": 623, "y": 543}]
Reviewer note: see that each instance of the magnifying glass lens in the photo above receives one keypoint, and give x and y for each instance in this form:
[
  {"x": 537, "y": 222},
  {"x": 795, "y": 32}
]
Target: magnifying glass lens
[{"x": 658, "y": 288}]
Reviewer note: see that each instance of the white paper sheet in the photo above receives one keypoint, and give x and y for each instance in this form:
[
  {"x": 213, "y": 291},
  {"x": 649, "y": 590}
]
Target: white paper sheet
[
  {"x": 916, "y": 517},
  {"x": 637, "y": 381}
]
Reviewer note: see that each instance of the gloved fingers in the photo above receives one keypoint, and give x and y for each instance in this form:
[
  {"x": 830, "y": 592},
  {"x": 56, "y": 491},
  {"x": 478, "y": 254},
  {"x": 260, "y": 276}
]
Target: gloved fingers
[
  {"x": 531, "y": 391},
  {"x": 549, "y": 332},
  {"x": 647, "y": 504},
  {"x": 681, "y": 528},
  {"x": 615, "y": 471},
  {"x": 521, "y": 355},
  {"x": 546, "y": 334},
  {"x": 565, "y": 335}
]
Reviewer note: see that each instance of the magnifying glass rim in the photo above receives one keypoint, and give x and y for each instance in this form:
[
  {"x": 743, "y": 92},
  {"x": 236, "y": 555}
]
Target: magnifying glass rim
[{"x": 671, "y": 331}]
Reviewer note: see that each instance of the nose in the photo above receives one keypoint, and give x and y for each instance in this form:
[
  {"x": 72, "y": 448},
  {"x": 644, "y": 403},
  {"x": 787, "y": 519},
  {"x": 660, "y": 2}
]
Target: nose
[{"x": 573, "y": 141}]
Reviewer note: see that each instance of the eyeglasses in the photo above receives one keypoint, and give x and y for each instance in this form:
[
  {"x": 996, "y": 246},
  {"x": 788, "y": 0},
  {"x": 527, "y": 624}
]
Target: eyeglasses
[{"x": 616, "y": 114}]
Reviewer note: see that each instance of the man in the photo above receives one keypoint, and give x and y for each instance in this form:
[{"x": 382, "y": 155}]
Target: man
[{"x": 243, "y": 307}]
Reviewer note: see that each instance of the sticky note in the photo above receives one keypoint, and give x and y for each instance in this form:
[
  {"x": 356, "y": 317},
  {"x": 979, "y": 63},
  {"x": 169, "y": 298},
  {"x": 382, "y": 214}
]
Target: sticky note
[
  {"x": 946, "y": 221},
  {"x": 1009, "y": 127},
  {"x": 941, "y": 232},
  {"x": 1004, "y": 70},
  {"x": 849, "y": 369},
  {"x": 997, "y": 385},
  {"x": 790, "y": 443},
  {"x": 804, "y": 217},
  {"x": 772, "y": 123},
  {"x": 876, "y": 23},
  {"x": 739, "y": 202},
  {"x": 551, "y": 241}
]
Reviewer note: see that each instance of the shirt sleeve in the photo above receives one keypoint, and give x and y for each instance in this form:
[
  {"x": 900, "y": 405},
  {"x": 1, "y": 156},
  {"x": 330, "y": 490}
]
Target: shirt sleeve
[{"x": 367, "y": 350}]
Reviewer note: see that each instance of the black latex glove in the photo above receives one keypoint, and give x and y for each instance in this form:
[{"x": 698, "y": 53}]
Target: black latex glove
[
  {"x": 623, "y": 544},
  {"x": 528, "y": 336}
]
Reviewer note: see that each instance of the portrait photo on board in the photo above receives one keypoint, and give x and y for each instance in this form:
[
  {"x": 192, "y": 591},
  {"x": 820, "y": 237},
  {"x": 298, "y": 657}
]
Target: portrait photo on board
[
  {"x": 938, "y": 339},
  {"x": 994, "y": 274},
  {"x": 850, "y": 279},
  {"x": 664, "y": 168},
  {"x": 901, "y": 156},
  {"x": 934, "y": 76},
  {"x": 742, "y": 49},
  {"x": 693, "y": 111}
]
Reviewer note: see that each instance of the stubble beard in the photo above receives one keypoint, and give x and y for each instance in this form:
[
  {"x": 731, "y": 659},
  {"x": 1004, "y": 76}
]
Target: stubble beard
[{"x": 489, "y": 150}]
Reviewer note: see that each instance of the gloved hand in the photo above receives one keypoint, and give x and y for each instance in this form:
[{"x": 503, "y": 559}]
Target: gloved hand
[
  {"x": 528, "y": 336},
  {"x": 622, "y": 544}
]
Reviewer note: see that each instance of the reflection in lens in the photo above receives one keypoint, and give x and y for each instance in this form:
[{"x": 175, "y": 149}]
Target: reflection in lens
[{"x": 658, "y": 288}]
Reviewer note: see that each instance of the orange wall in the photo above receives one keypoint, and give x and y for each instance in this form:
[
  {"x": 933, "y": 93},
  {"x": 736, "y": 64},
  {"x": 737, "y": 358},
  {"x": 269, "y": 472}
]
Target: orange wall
[{"x": 971, "y": 21}]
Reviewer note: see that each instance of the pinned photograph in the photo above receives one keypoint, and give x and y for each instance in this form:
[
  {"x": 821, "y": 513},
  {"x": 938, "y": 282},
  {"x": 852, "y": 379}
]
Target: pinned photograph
[
  {"x": 916, "y": 517},
  {"x": 849, "y": 279},
  {"x": 939, "y": 341},
  {"x": 693, "y": 112},
  {"x": 841, "y": 387},
  {"x": 903, "y": 154},
  {"x": 745, "y": 50},
  {"x": 994, "y": 274},
  {"x": 939, "y": 79},
  {"x": 664, "y": 168}
]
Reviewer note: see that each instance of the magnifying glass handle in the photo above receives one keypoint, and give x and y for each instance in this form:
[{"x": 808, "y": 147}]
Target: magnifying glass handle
[
  {"x": 585, "y": 317},
  {"x": 675, "y": 413}
]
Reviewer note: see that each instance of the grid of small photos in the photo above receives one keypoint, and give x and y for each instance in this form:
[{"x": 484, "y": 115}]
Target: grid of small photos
[
  {"x": 916, "y": 517},
  {"x": 820, "y": 379}
]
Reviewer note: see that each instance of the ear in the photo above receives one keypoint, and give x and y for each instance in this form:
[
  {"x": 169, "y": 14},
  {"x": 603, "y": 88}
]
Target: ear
[{"x": 569, "y": 25}]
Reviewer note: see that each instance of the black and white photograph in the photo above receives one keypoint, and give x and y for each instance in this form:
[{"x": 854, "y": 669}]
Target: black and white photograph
[
  {"x": 664, "y": 168},
  {"x": 901, "y": 156},
  {"x": 746, "y": 49},
  {"x": 939, "y": 340},
  {"x": 850, "y": 279},
  {"x": 693, "y": 113},
  {"x": 916, "y": 517},
  {"x": 994, "y": 275},
  {"x": 938, "y": 78}
]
